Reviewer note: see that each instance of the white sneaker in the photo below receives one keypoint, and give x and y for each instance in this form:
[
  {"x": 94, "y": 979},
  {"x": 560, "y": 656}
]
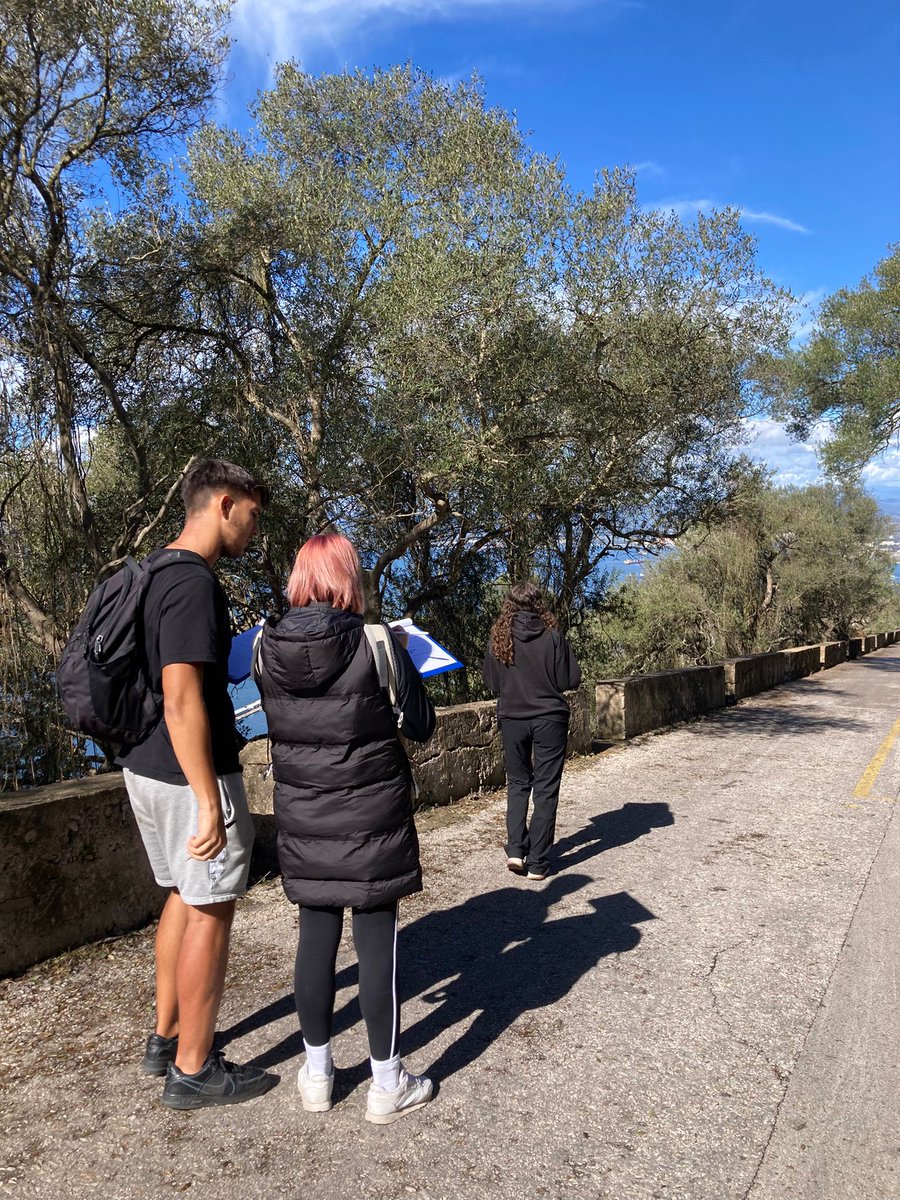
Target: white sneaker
[
  {"x": 516, "y": 865},
  {"x": 383, "y": 1107},
  {"x": 315, "y": 1090}
]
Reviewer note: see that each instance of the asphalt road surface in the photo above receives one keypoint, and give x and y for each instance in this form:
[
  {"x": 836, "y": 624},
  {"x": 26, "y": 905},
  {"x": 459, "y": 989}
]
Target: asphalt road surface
[{"x": 700, "y": 1003}]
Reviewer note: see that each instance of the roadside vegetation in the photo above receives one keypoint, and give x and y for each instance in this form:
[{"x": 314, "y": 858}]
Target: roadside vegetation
[{"x": 782, "y": 567}]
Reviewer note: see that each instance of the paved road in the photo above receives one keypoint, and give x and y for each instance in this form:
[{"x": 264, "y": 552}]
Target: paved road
[{"x": 701, "y": 1004}]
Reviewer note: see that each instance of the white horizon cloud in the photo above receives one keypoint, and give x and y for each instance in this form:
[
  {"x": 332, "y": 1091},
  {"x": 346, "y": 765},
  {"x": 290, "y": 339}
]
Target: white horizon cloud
[{"x": 794, "y": 463}]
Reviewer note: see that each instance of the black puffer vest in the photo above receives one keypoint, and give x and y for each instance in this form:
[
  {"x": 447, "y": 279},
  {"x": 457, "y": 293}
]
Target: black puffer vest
[{"x": 343, "y": 803}]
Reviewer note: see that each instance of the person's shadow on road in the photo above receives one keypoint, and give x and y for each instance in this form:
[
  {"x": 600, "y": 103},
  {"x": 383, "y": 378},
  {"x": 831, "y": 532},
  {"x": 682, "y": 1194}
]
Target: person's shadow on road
[
  {"x": 610, "y": 829},
  {"x": 481, "y": 965},
  {"x": 484, "y": 964},
  {"x": 496, "y": 954}
]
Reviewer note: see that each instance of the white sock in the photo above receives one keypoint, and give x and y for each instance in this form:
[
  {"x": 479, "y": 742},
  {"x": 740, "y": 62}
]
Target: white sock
[
  {"x": 318, "y": 1059},
  {"x": 386, "y": 1074}
]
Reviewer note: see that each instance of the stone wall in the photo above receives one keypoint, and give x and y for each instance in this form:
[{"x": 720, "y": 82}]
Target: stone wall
[
  {"x": 801, "y": 661},
  {"x": 464, "y": 756},
  {"x": 753, "y": 673},
  {"x": 72, "y": 870},
  {"x": 628, "y": 707},
  {"x": 833, "y": 653},
  {"x": 72, "y": 867}
]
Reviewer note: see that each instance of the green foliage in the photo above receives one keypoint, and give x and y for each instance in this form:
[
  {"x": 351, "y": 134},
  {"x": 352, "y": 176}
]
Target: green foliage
[
  {"x": 785, "y": 567},
  {"x": 849, "y": 371}
]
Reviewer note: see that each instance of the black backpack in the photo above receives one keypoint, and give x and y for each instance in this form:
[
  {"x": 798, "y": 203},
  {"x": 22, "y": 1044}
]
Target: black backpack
[{"x": 103, "y": 678}]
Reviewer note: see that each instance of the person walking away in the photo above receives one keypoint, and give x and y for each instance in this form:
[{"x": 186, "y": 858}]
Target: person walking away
[
  {"x": 528, "y": 665},
  {"x": 184, "y": 784},
  {"x": 343, "y": 811}
]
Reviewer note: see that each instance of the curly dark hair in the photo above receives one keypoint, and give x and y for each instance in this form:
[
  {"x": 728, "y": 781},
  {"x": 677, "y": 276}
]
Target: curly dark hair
[{"x": 521, "y": 597}]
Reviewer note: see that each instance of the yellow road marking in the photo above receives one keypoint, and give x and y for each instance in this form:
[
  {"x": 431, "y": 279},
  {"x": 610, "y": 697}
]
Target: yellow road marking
[{"x": 862, "y": 789}]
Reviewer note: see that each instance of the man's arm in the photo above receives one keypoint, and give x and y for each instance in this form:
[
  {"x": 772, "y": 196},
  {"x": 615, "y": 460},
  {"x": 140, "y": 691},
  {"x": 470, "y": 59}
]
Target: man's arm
[{"x": 187, "y": 720}]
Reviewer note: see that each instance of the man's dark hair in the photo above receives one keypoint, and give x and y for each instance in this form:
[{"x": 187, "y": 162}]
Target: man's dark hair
[{"x": 213, "y": 475}]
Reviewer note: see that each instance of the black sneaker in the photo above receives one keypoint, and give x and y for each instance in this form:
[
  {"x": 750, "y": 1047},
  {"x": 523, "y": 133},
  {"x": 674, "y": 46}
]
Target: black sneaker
[
  {"x": 159, "y": 1053},
  {"x": 217, "y": 1082}
]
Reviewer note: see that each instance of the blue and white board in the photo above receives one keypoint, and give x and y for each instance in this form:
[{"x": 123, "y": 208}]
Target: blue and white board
[{"x": 428, "y": 656}]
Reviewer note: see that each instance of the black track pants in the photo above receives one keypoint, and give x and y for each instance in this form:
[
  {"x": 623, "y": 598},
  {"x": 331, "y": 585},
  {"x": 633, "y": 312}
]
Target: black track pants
[
  {"x": 375, "y": 939},
  {"x": 535, "y": 754}
]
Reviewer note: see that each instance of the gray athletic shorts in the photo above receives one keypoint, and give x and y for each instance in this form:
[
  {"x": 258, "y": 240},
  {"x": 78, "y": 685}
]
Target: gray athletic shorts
[{"x": 166, "y": 814}]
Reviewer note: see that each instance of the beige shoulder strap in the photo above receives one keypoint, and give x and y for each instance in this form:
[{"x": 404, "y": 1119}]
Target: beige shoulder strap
[{"x": 379, "y": 639}]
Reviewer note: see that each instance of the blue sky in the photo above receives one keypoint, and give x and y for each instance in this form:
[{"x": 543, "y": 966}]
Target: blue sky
[{"x": 787, "y": 110}]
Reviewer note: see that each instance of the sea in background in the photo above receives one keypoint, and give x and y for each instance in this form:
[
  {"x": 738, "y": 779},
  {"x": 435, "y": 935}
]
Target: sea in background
[{"x": 636, "y": 566}]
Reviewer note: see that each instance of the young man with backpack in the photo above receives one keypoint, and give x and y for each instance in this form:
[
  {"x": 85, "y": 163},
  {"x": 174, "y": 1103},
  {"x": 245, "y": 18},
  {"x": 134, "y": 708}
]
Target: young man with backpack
[{"x": 185, "y": 787}]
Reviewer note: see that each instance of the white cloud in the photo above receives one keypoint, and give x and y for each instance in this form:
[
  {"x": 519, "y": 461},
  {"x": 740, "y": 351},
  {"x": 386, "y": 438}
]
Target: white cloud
[
  {"x": 764, "y": 218},
  {"x": 885, "y": 470},
  {"x": 651, "y": 169},
  {"x": 282, "y": 29},
  {"x": 794, "y": 463},
  {"x": 685, "y": 209}
]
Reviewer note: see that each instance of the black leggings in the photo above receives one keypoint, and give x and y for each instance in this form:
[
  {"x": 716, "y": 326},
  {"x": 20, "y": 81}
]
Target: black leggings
[{"x": 375, "y": 939}]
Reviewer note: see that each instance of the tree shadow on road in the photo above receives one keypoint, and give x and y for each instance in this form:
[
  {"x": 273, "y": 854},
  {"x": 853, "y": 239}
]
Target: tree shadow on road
[
  {"x": 609, "y": 829},
  {"x": 878, "y": 664},
  {"x": 791, "y": 716}
]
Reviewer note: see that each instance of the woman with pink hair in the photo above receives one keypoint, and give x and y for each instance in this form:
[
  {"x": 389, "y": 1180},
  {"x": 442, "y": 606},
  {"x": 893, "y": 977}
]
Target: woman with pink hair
[{"x": 343, "y": 810}]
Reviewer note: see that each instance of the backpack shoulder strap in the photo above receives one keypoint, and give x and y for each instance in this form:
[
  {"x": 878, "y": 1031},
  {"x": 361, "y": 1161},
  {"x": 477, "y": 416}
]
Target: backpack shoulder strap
[
  {"x": 254, "y": 654},
  {"x": 379, "y": 640}
]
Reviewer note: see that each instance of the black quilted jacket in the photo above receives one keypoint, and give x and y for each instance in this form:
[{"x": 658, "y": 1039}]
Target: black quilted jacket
[{"x": 343, "y": 805}]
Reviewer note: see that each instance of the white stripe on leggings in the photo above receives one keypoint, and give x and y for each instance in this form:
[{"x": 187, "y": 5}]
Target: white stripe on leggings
[{"x": 394, "y": 1021}]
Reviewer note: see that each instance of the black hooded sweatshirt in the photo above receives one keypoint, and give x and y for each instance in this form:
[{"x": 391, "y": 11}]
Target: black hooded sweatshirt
[
  {"x": 543, "y": 667},
  {"x": 343, "y": 802}
]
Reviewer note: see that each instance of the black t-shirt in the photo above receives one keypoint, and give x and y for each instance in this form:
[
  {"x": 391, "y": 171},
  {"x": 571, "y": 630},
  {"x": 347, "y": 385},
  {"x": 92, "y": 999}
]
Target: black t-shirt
[{"x": 186, "y": 620}]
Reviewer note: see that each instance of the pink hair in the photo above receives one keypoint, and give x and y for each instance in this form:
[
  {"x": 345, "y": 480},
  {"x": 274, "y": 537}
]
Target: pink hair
[{"x": 326, "y": 571}]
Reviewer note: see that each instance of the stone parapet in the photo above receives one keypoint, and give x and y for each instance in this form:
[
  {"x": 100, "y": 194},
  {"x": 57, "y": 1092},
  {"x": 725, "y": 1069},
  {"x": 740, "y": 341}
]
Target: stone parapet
[
  {"x": 640, "y": 703},
  {"x": 753, "y": 673},
  {"x": 464, "y": 756},
  {"x": 800, "y": 661},
  {"x": 72, "y": 870},
  {"x": 833, "y": 653}
]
